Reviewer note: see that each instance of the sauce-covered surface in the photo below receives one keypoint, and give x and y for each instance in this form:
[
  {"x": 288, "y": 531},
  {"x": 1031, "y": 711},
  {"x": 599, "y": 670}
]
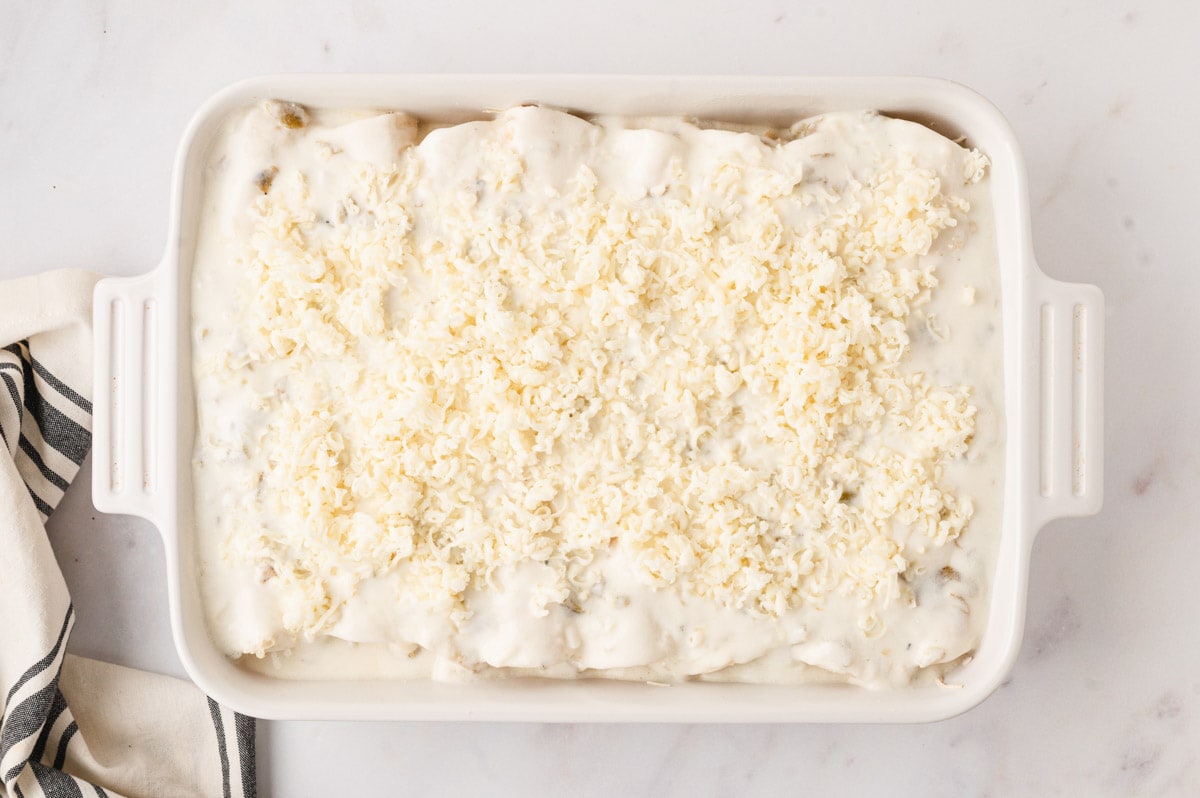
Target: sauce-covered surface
[{"x": 612, "y": 397}]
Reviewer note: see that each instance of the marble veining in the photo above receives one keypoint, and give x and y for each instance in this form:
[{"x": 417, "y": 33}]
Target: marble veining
[{"x": 1105, "y": 696}]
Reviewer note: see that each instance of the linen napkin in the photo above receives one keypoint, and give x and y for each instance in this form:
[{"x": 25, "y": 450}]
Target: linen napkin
[{"x": 70, "y": 726}]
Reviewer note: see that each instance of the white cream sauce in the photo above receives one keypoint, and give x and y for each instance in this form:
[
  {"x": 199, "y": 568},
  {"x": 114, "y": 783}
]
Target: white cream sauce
[{"x": 624, "y": 628}]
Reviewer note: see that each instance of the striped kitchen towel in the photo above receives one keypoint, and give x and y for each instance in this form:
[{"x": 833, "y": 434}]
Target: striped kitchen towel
[{"x": 71, "y": 726}]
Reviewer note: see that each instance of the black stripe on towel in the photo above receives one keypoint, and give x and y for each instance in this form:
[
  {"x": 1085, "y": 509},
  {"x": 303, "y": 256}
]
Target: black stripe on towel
[
  {"x": 56, "y": 709},
  {"x": 21, "y": 350},
  {"x": 16, "y": 397},
  {"x": 45, "y": 661},
  {"x": 68, "y": 733},
  {"x": 60, "y": 386},
  {"x": 52, "y": 476},
  {"x": 6, "y": 366},
  {"x": 24, "y": 722},
  {"x": 43, "y": 507},
  {"x": 55, "y": 783},
  {"x": 58, "y": 430},
  {"x": 215, "y": 710},
  {"x": 7, "y": 370},
  {"x": 244, "y": 726},
  {"x": 29, "y": 716}
]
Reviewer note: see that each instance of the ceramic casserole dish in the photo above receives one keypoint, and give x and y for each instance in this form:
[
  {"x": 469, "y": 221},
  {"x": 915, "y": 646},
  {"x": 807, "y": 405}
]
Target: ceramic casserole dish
[{"x": 1052, "y": 342}]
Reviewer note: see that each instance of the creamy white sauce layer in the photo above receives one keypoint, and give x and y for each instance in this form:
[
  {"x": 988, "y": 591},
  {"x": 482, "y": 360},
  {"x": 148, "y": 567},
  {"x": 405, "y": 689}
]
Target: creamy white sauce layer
[{"x": 319, "y": 561}]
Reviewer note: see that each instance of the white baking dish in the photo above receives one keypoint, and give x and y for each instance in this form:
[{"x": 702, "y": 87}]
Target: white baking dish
[{"x": 1053, "y": 358}]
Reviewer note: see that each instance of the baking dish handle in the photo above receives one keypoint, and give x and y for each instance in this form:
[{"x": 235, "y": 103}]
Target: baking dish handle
[
  {"x": 1069, "y": 319},
  {"x": 127, "y": 320}
]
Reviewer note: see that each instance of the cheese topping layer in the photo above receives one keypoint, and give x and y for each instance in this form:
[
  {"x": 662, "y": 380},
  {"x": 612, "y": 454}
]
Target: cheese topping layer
[{"x": 626, "y": 398}]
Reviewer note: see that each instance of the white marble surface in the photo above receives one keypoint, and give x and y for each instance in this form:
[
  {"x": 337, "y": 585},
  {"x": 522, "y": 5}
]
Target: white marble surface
[{"x": 1105, "y": 699}]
